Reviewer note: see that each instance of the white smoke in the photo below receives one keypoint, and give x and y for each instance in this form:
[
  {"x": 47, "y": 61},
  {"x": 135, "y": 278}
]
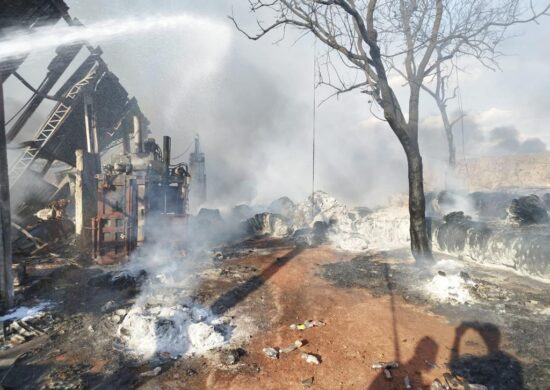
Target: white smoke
[{"x": 165, "y": 319}]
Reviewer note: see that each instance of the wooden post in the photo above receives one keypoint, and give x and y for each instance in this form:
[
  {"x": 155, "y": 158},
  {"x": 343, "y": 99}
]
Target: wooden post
[
  {"x": 85, "y": 199},
  {"x": 6, "y": 277}
]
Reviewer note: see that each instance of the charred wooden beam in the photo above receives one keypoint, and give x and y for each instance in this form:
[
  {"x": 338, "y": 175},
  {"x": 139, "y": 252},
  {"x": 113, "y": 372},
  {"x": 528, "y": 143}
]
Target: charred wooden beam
[{"x": 6, "y": 277}]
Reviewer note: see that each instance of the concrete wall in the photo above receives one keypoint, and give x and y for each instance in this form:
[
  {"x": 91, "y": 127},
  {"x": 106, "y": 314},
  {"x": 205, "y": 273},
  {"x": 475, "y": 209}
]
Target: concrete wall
[{"x": 492, "y": 173}]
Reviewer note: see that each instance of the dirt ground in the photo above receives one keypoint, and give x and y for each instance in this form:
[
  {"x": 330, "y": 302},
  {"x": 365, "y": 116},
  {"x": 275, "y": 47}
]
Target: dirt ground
[
  {"x": 371, "y": 305},
  {"x": 362, "y": 327}
]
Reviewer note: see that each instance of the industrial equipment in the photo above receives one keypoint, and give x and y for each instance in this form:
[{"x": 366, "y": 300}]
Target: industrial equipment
[{"x": 138, "y": 194}]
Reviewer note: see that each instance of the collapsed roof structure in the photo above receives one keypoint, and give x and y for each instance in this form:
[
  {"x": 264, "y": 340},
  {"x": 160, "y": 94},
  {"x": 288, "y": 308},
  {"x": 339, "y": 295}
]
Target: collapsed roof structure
[{"x": 92, "y": 110}]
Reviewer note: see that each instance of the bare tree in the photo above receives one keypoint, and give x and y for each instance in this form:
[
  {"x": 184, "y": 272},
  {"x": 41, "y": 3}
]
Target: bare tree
[
  {"x": 356, "y": 31},
  {"x": 440, "y": 93},
  {"x": 470, "y": 29},
  {"x": 370, "y": 37}
]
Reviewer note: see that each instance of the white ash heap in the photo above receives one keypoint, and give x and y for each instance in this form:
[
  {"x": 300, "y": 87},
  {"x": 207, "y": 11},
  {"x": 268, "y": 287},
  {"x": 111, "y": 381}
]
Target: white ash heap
[
  {"x": 450, "y": 284},
  {"x": 355, "y": 230},
  {"x": 165, "y": 321},
  {"x": 171, "y": 330}
]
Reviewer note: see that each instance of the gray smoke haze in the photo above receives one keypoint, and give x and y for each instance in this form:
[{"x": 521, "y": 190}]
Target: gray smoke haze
[
  {"x": 251, "y": 104},
  {"x": 471, "y": 141},
  {"x": 506, "y": 140}
]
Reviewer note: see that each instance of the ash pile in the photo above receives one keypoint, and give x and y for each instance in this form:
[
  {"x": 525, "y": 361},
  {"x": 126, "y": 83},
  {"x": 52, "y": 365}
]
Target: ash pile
[
  {"x": 506, "y": 229},
  {"x": 323, "y": 219},
  {"x": 167, "y": 321}
]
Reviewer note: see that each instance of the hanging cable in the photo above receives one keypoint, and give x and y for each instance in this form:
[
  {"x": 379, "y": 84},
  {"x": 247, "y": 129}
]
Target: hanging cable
[
  {"x": 34, "y": 90},
  {"x": 461, "y": 113},
  {"x": 185, "y": 151},
  {"x": 313, "y": 130}
]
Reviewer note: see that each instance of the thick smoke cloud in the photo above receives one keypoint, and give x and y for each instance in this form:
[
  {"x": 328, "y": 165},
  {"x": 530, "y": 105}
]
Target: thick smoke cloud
[
  {"x": 506, "y": 140},
  {"x": 472, "y": 141}
]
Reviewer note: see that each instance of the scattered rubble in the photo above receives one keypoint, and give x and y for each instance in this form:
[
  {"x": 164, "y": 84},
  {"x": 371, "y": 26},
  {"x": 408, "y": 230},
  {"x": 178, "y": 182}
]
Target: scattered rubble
[
  {"x": 271, "y": 353},
  {"x": 388, "y": 365},
  {"x": 407, "y": 382},
  {"x": 311, "y": 358},
  {"x": 293, "y": 347},
  {"x": 154, "y": 372},
  {"x": 308, "y": 382},
  {"x": 233, "y": 356},
  {"x": 307, "y": 324}
]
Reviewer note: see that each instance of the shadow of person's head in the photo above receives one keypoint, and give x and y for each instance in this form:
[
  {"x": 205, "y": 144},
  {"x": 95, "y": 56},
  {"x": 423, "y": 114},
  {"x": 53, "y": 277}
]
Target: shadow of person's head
[
  {"x": 426, "y": 349},
  {"x": 490, "y": 334}
]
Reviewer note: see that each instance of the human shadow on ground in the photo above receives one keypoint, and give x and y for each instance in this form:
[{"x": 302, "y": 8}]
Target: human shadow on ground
[
  {"x": 426, "y": 351},
  {"x": 496, "y": 370}
]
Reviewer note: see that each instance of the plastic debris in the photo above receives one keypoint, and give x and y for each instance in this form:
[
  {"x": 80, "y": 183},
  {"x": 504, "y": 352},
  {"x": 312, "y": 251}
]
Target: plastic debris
[
  {"x": 388, "y": 365},
  {"x": 153, "y": 372},
  {"x": 477, "y": 387},
  {"x": 307, "y": 324},
  {"x": 307, "y": 382},
  {"x": 232, "y": 357},
  {"x": 297, "y": 344},
  {"x": 407, "y": 381},
  {"x": 387, "y": 374},
  {"x": 108, "y": 306},
  {"x": 431, "y": 364},
  {"x": 437, "y": 385},
  {"x": 451, "y": 380},
  {"x": 271, "y": 353},
  {"x": 311, "y": 359}
]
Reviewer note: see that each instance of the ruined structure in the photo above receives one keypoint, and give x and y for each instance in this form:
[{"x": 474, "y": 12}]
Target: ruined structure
[
  {"x": 93, "y": 148},
  {"x": 198, "y": 177},
  {"x": 137, "y": 192},
  {"x": 21, "y": 15}
]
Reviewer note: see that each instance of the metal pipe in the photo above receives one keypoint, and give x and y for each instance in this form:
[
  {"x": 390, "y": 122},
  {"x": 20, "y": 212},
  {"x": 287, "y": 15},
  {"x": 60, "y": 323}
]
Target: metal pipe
[
  {"x": 166, "y": 148},
  {"x": 138, "y": 136}
]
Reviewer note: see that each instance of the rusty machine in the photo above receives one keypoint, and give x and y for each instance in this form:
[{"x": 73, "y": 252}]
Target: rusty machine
[{"x": 137, "y": 194}]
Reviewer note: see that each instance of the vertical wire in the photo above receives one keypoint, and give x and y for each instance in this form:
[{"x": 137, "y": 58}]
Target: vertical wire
[
  {"x": 461, "y": 109},
  {"x": 313, "y": 130}
]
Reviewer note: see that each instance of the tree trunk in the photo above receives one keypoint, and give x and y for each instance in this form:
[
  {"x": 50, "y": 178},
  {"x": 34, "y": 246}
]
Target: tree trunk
[
  {"x": 420, "y": 239},
  {"x": 407, "y": 133},
  {"x": 449, "y": 134}
]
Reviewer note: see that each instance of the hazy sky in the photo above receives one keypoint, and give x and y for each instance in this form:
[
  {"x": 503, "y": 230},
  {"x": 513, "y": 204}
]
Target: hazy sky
[{"x": 251, "y": 103}]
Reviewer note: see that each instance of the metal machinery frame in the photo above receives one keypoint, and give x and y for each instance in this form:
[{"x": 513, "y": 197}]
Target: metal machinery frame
[{"x": 138, "y": 193}]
